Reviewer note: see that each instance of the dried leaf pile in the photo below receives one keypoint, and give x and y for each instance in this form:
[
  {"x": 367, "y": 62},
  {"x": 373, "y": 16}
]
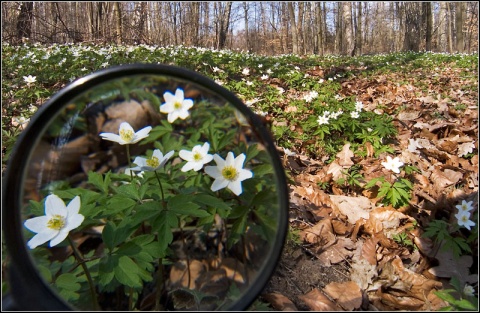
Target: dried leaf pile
[{"x": 349, "y": 232}]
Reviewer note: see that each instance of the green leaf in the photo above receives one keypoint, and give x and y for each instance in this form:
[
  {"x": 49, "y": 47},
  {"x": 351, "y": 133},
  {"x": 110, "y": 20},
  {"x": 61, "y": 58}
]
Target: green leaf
[
  {"x": 106, "y": 269},
  {"x": 67, "y": 281},
  {"x": 213, "y": 202},
  {"x": 127, "y": 272},
  {"x": 108, "y": 235},
  {"x": 263, "y": 169},
  {"x": 118, "y": 204},
  {"x": 238, "y": 229},
  {"x": 163, "y": 225},
  {"x": 129, "y": 190},
  {"x": 182, "y": 204}
]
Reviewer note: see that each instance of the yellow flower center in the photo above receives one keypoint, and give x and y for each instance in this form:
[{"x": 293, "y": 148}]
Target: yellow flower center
[
  {"x": 177, "y": 105},
  {"x": 230, "y": 173},
  {"x": 464, "y": 207},
  {"x": 126, "y": 135},
  {"x": 153, "y": 162},
  {"x": 197, "y": 156},
  {"x": 464, "y": 218},
  {"x": 57, "y": 222}
]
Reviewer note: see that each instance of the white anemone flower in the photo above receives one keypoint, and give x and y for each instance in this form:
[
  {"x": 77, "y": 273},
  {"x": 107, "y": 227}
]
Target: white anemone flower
[
  {"x": 463, "y": 219},
  {"x": 57, "y": 222},
  {"x": 465, "y": 206},
  {"x": 229, "y": 173},
  {"x": 176, "y": 106},
  {"x": 393, "y": 164},
  {"x": 30, "y": 79},
  {"x": 322, "y": 120},
  {"x": 127, "y": 134},
  {"x": 154, "y": 163},
  {"x": 196, "y": 158}
]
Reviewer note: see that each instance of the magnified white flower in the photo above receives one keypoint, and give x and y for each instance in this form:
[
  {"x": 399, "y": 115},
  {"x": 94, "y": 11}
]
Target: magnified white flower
[
  {"x": 57, "y": 222},
  {"x": 154, "y": 163},
  {"x": 196, "y": 158},
  {"x": 176, "y": 106},
  {"x": 228, "y": 173},
  {"x": 464, "y": 206},
  {"x": 30, "y": 79},
  {"x": 393, "y": 164},
  {"x": 354, "y": 114},
  {"x": 468, "y": 291},
  {"x": 127, "y": 134},
  {"x": 463, "y": 219}
]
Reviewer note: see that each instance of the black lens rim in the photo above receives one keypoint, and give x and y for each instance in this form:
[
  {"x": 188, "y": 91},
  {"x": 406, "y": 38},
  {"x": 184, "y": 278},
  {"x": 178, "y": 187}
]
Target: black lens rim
[{"x": 36, "y": 295}]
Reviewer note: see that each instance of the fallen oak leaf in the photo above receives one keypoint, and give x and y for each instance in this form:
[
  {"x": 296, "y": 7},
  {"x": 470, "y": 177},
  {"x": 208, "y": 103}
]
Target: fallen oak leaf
[
  {"x": 348, "y": 294},
  {"x": 317, "y": 301},
  {"x": 279, "y": 302},
  {"x": 345, "y": 156}
]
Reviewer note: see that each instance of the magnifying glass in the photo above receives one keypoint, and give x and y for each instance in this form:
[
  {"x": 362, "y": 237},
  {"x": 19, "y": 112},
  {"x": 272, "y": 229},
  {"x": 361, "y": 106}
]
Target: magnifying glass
[{"x": 143, "y": 187}]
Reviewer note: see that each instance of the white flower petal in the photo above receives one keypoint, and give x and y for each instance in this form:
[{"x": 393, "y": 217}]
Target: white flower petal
[
  {"x": 42, "y": 237},
  {"x": 179, "y": 95},
  {"x": 124, "y": 126},
  {"x": 188, "y": 166},
  {"x": 140, "y": 161},
  {"x": 239, "y": 160},
  {"x": 219, "y": 183},
  {"x": 142, "y": 133},
  {"x": 74, "y": 221},
  {"x": 112, "y": 137},
  {"x": 166, "y": 107},
  {"x": 213, "y": 171},
  {"x": 244, "y": 174},
  {"x": 235, "y": 187},
  {"x": 74, "y": 206},
  {"x": 55, "y": 206},
  {"x": 37, "y": 224},
  {"x": 186, "y": 155},
  {"x": 62, "y": 234},
  {"x": 218, "y": 159}
]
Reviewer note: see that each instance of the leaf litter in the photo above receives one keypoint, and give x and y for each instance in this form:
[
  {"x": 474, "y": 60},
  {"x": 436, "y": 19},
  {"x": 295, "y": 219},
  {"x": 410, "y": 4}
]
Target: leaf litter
[{"x": 345, "y": 257}]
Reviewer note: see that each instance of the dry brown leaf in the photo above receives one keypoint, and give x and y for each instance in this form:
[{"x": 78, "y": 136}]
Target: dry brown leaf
[
  {"x": 384, "y": 219},
  {"x": 440, "y": 180},
  {"x": 317, "y": 301},
  {"x": 369, "y": 250},
  {"x": 348, "y": 294},
  {"x": 354, "y": 208},
  {"x": 335, "y": 170},
  {"x": 181, "y": 276},
  {"x": 336, "y": 253},
  {"x": 342, "y": 228},
  {"x": 362, "y": 273},
  {"x": 321, "y": 233},
  {"x": 450, "y": 266},
  {"x": 345, "y": 156},
  {"x": 279, "y": 302}
]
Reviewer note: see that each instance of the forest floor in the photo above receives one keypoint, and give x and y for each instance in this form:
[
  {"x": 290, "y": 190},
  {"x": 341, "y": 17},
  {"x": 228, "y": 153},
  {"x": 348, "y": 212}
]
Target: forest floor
[{"x": 350, "y": 252}]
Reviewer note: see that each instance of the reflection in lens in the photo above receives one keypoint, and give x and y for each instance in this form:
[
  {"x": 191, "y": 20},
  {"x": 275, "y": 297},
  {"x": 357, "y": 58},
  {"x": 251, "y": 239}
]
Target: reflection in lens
[{"x": 178, "y": 198}]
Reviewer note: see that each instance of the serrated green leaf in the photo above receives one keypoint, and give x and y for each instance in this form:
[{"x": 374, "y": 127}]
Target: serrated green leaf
[
  {"x": 127, "y": 272},
  {"x": 67, "y": 281},
  {"x": 129, "y": 190},
  {"x": 108, "y": 235},
  {"x": 119, "y": 204}
]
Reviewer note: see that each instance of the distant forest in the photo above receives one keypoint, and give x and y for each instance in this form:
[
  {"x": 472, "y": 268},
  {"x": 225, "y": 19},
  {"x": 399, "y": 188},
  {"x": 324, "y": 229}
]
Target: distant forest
[{"x": 270, "y": 28}]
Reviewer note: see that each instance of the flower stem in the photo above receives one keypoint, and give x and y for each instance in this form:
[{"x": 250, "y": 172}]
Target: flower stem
[
  {"x": 161, "y": 188},
  {"x": 87, "y": 273}
]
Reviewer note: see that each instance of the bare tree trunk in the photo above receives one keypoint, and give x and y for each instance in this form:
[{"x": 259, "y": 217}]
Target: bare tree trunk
[
  {"x": 300, "y": 34},
  {"x": 118, "y": 22},
  {"x": 291, "y": 12},
  {"x": 338, "y": 29},
  {"x": 24, "y": 22},
  {"x": 412, "y": 26},
  {"x": 449, "y": 28},
  {"x": 347, "y": 28},
  {"x": 427, "y": 10},
  {"x": 222, "y": 22},
  {"x": 459, "y": 19},
  {"x": 358, "y": 32},
  {"x": 320, "y": 34}
]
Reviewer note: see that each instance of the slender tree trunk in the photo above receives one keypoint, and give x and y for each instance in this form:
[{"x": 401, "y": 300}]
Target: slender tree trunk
[
  {"x": 358, "y": 32},
  {"x": 339, "y": 29},
  {"x": 320, "y": 34},
  {"x": 291, "y": 12},
  {"x": 24, "y": 22},
  {"x": 347, "y": 28},
  {"x": 449, "y": 28},
  {"x": 459, "y": 19},
  {"x": 428, "y": 21},
  {"x": 118, "y": 22}
]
